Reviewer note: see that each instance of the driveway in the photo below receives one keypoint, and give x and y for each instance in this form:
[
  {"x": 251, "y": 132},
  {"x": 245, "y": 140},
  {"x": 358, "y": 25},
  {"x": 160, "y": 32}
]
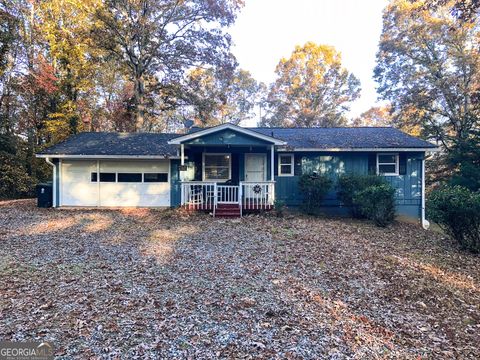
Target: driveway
[{"x": 166, "y": 284}]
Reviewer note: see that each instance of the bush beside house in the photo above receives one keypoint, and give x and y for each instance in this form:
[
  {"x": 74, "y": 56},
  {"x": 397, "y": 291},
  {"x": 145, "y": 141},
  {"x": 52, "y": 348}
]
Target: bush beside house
[
  {"x": 457, "y": 211},
  {"x": 377, "y": 203},
  {"x": 349, "y": 184},
  {"x": 366, "y": 196},
  {"x": 314, "y": 188}
]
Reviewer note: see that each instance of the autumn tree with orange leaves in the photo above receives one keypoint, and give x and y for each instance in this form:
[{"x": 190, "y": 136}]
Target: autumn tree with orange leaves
[
  {"x": 312, "y": 88},
  {"x": 428, "y": 68}
]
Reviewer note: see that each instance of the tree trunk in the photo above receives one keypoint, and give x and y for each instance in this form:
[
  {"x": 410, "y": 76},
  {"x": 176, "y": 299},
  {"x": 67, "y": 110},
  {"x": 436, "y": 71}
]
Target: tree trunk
[{"x": 139, "y": 90}]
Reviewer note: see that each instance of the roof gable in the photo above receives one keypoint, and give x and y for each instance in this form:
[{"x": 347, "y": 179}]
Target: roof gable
[
  {"x": 226, "y": 134},
  {"x": 227, "y": 137}
]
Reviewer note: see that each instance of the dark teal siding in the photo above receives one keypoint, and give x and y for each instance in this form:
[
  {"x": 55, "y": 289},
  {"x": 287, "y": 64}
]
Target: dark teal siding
[
  {"x": 408, "y": 187},
  {"x": 194, "y": 155},
  {"x": 175, "y": 191},
  {"x": 286, "y": 189}
]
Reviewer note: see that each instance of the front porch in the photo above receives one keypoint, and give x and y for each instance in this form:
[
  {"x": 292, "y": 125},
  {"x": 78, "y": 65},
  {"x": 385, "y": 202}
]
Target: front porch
[
  {"x": 227, "y": 170},
  {"x": 218, "y": 198}
]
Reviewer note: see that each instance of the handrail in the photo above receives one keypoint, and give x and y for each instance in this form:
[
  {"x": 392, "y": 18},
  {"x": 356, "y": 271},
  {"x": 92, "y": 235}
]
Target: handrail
[
  {"x": 258, "y": 182},
  {"x": 240, "y": 198},
  {"x": 215, "y": 200}
]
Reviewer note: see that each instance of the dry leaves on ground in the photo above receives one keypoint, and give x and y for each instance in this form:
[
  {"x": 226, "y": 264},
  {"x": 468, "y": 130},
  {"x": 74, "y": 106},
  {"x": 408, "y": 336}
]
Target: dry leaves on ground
[{"x": 166, "y": 284}]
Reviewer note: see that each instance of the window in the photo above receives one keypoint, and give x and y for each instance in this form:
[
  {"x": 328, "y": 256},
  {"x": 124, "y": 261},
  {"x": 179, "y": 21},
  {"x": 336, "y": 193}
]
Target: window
[
  {"x": 129, "y": 177},
  {"x": 155, "y": 177},
  {"x": 107, "y": 177},
  {"x": 94, "y": 177},
  {"x": 217, "y": 167},
  {"x": 387, "y": 164},
  {"x": 285, "y": 165}
]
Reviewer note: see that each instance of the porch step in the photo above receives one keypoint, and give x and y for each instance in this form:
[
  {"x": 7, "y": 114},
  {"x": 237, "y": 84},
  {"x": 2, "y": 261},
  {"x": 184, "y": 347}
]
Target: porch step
[
  {"x": 227, "y": 210},
  {"x": 228, "y": 206}
]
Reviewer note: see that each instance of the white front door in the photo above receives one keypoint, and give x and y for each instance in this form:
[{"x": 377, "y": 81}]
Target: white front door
[
  {"x": 255, "y": 170},
  {"x": 255, "y": 167}
]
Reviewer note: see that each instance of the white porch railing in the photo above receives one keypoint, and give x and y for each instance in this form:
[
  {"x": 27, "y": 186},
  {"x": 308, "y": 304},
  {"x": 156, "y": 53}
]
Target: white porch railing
[
  {"x": 198, "y": 195},
  {"x": 227, "y": 194},
  {"x": 257, "y": 195},
  {"x": 249, "y": 195}
]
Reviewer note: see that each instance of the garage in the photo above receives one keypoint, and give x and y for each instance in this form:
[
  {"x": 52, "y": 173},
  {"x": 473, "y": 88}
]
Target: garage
[{"x": 114, "y": 183}]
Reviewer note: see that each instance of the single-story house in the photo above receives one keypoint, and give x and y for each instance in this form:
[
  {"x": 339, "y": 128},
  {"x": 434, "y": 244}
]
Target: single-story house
[{"x": 230, "y": 169}]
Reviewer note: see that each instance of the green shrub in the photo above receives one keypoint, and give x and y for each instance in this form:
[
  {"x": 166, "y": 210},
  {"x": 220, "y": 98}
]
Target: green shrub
[
  {"x": 313, "y": 188},
  {"x": 14, "y": 180},
  {"x": 279, "y": 206},
  {"x": 349, "y": 184},
  {"x": 457, "y": 211},
  {"x": 377, "y": 203}
]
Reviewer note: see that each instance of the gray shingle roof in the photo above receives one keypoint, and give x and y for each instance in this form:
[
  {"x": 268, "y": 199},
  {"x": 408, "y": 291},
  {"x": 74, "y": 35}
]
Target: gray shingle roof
[
  {"x": 103, "y": 143},
  {"x": 155, "y": 144},
  {"x": 345, "y": 137}
]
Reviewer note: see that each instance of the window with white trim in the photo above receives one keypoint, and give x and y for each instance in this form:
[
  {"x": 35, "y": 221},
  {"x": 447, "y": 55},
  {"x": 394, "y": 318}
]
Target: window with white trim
[
  {"x": 217, "y": 167},
  {"x": 387, "y": 164},
  {"x": 285, "y": 165}
]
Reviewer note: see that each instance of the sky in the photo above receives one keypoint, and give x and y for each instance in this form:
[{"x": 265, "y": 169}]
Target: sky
[{"x": 267, "y": 30}]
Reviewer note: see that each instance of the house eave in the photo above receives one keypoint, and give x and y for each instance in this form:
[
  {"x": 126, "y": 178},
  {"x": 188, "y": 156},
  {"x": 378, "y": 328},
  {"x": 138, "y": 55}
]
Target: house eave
[
  {"x": 398, "y": 149},
  {"x": 119, "y": 157}
]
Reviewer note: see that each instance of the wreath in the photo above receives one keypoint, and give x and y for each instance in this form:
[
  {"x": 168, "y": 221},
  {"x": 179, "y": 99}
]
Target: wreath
[{"x": 257, "y": 189}]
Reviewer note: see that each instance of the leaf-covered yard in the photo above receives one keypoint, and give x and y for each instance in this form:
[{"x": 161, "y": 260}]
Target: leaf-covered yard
[{"x": 149, "y": 283}]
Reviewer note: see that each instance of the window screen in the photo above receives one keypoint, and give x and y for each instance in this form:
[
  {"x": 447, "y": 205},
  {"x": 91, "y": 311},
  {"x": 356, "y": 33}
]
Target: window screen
[
  {"x": 285, "y": 164},
  {"x": 217, "y": 166},
  {"x": 155, "y": 177},
  {"x": 129, "y": 177},
  {"x": 388, "y": 164},
  {"x": 107, "y": 177}
]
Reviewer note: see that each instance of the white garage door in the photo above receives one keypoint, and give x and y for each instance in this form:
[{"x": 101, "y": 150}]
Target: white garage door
[{"x": 117, "y": 183}]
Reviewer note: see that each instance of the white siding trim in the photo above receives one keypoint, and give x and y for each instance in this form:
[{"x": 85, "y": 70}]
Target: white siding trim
[
  {"x": 107, "y": 157},
  {"x": 357, "y": 150}
]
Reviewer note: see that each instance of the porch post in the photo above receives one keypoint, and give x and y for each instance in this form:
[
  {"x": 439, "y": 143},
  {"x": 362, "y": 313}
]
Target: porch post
[
  {"x": 182, "y": 154},
  {"x": 272, "y": 162}
]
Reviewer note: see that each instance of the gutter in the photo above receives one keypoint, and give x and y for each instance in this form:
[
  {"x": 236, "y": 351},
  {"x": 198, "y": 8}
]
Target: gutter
[
  {"x": 54, "y": 188},
  {"x": 425, "y": 222},
  {"x": 106, "y": 157},
  {"x": 358, "y": 149}
]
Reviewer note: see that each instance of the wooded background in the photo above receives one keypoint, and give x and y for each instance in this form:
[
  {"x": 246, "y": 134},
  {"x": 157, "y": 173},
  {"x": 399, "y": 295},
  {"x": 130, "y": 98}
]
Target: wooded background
[{"x": 68, "y": 66}]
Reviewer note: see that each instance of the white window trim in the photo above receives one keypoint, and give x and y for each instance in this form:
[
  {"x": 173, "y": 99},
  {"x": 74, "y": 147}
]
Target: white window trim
[
  {"x": 397, "y": 164},
  {"x": 229, "y": 166},
  {"x": 292, "y": 164}
]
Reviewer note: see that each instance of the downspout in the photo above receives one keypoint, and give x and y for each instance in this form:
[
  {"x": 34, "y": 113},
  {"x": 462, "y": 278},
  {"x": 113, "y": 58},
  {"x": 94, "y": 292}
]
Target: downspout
[
  {"x": 425, "y": 223},
  {"x": 54, "y": 189}
]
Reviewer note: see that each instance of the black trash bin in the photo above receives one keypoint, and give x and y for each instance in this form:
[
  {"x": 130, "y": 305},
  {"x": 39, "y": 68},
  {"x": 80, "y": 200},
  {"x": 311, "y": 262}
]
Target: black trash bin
[{"x": 44, "y": 195}]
